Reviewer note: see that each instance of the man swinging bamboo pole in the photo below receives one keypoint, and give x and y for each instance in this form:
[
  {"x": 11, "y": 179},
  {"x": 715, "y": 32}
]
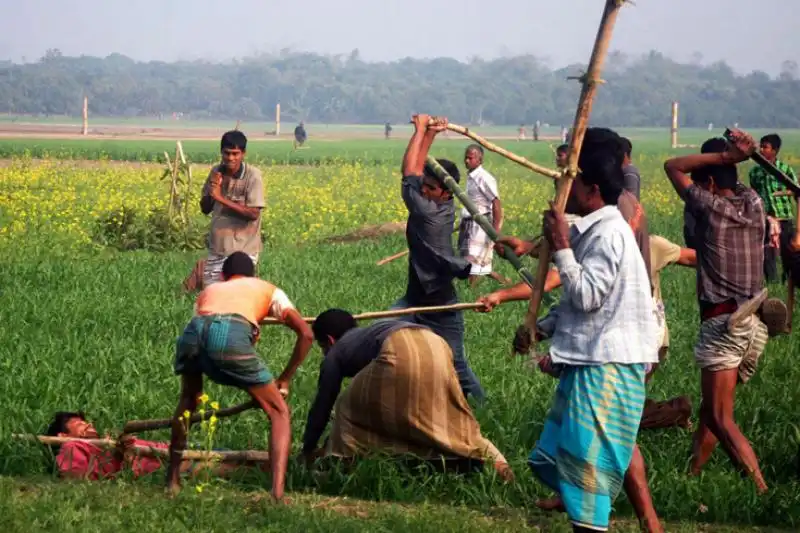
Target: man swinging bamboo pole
[
  {"x": 563, "y": 186},
  {"x": 482, "y": 221}
]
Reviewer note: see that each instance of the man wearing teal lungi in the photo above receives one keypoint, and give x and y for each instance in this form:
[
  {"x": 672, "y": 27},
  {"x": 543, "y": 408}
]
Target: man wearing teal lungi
[{"x": 604, "y": 335}]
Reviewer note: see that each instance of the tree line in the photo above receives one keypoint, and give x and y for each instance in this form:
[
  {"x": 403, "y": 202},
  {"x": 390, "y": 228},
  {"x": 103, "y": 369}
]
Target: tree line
[{"x": 345, "y": 89}]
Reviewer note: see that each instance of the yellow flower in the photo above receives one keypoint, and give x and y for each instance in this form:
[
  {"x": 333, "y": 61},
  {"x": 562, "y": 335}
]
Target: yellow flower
[
  {"x": 213, "y": 419},
  {"x": 203, "y": 398},
  {"x": 215, "y": 405},
  {"x": 199, "y": 488},
  {"x": 187, "y": 414}
]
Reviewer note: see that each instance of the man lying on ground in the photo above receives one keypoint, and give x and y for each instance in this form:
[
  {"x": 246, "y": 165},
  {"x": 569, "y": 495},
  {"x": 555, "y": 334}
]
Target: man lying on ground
[
  {"x": 404, "y": 398},
  {"x": 84, "y": 460}
]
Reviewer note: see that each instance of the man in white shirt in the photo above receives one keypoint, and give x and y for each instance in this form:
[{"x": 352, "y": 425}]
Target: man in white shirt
[
  {"x": 473, "y": 243},
  {"x": 604, "y": 334}
]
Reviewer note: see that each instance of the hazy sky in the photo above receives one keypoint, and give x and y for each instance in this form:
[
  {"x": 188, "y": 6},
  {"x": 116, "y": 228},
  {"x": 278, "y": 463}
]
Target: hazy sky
[{"x": 749, "y": 35}]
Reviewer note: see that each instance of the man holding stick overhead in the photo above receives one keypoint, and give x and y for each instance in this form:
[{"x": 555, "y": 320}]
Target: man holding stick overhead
[
  {"x": 473, "y": 242},
  {"x": 604, "y": 335},
  {"x": 729, "y": 236},
  {"x": 432, "y": 262}
]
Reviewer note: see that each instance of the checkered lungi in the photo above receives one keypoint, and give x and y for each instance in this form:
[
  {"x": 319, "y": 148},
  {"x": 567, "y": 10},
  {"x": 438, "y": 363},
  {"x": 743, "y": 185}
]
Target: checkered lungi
[{"x": 475, "y": 246}]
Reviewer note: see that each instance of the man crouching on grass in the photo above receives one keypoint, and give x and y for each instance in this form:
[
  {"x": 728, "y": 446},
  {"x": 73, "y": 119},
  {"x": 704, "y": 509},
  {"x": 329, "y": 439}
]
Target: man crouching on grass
[{"x": 220, "y": 341}]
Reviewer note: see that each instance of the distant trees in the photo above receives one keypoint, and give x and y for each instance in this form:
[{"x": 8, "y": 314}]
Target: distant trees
[{"x": 345, "y": 89}]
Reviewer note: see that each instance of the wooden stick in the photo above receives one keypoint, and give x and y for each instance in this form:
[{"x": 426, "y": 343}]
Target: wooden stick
[
  {"x": 138, "y": 426},
  {"x": 590, "y": 81},
  {"x": 674, "y": 130},
  {"x": 483, "y": 222},
  {"x": 544, "y": 171},
  {"x": 392, "y": 258},
  {"x": 771, "y": 169},
  {"x": 161, "y": 453},
  {"x": 394, "y": 312}
]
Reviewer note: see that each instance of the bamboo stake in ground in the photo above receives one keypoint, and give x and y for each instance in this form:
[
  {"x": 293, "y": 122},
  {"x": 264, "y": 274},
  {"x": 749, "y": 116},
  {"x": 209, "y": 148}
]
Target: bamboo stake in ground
[
  {"x": 563, "y": 186},
  {"x": 544, "y": 171},
  {"x": 231, "y": 456},
  {"x": 481, "y": 220},
  {"x": 674, "y": 129},
  {"x": 138, "y": 426},
  {"x": 85, "y": 127}
]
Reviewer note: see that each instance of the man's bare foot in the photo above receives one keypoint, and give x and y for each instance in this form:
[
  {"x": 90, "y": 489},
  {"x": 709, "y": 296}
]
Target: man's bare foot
[{"x": 552, "y": 505}]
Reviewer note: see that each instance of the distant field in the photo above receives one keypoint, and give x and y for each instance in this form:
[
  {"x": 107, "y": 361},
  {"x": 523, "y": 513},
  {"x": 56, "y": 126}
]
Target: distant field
[{"x": 268, "y": 151}]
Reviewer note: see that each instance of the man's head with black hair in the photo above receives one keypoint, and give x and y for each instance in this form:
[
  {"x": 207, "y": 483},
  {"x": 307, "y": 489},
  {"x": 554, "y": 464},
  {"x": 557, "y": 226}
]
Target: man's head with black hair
[
  {"x": 473, "y": 156},
  {"x": 433, "y": 188},
  {"x": 599, "y": 182},
  {"x": 70, "y": 424},
  {"x": 627, "y": 149},
  {"x": 770, "y": 145},
  {"x": 330, "y": 326},
  {"x": 238, "y": 264},
  {"x": 715, "y": 177},
  {"x": 233, "y": 147},
  {"x": 562, "y": 154}
]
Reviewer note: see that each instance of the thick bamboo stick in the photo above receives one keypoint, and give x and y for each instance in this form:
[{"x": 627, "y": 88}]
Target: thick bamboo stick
[
  {"x": 590, "y": 81},
  {"x": 138, "y": 426},
  {"x": 482, "y": 221},
  {"x": 673, "y": 132},
  {"x": 539, "y": 169},
  {"x": 374, "y": 315},
  {"x": 392, "y": 258},
  {"x": 161, "y": 453}
]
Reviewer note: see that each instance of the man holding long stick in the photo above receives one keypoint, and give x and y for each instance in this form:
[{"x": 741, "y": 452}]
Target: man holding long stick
[
  {"x": 432, "y": 262},
  {"x": 604, "y": 335},
  {"x": 729, "y": 235}
]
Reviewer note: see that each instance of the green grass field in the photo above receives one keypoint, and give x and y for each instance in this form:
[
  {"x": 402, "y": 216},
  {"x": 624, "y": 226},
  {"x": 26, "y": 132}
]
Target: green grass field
[{"x": 86, "y": 327}]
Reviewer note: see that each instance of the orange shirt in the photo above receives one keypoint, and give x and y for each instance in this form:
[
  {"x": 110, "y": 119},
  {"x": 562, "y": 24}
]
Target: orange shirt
[{"x": 249, "y": 297}]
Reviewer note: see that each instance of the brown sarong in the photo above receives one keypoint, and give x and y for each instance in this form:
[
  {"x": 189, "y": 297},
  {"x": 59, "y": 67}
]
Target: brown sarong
[{"x": 408, "y": 401}]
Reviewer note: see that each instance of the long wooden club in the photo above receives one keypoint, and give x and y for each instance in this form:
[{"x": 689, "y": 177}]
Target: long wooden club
[
  {"x": 526, "y": 333},
  {"x": 539, "y": 169}
]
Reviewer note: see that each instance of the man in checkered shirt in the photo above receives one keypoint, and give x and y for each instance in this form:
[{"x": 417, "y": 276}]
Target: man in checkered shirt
[
  {"x": 729, "y": 234},
  {"x": 777, "y": 206}
]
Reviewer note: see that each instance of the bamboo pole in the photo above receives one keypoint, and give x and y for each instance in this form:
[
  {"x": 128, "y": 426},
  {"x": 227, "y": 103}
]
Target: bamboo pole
[
  {"x": 392, "y": 258},
  {"x": 173, "y": 189},
  {"x": 187, "y": 197},
  {"x": 160, "y": 453},
  {"x": 277, "y": 119},
  {"x": 544, "y": 171},
  {"x": 674, "y": 129},
  {"x": 590, "y": 82},
  {"x": 138, "y": 426},
  {"x": 375, "y": 315},
  {"x": 85, "y": 128},
  {"x": 483, "y": 222}
]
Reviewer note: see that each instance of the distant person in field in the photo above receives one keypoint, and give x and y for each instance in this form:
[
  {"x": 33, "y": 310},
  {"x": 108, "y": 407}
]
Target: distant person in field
[
  {"x": 84, "y": 460},
  {"x": 234, "y": 196},
  {"x": 432, "y": 262},
  {"x": 219, "y": 342},
  {"x": 300, "y": 135},
  {"x": 605, "y": 337},
  {"x": 778, "y": 207},
  {"x": 633, "y": 181},
  {"x": 562, "y": 156},
  {"x": 404, "y": 396},
  {"x": 521, "y": 132},
  {"x": 474, "y": 243},
  {"x": 536, "y": 130},
  {"x": 387, "y": 130},
  {"x": 729, "y": 237}
]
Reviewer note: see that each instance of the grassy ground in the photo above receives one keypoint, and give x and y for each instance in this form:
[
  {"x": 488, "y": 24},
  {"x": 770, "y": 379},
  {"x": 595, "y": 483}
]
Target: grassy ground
[{"x": 88, "y": 328}]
